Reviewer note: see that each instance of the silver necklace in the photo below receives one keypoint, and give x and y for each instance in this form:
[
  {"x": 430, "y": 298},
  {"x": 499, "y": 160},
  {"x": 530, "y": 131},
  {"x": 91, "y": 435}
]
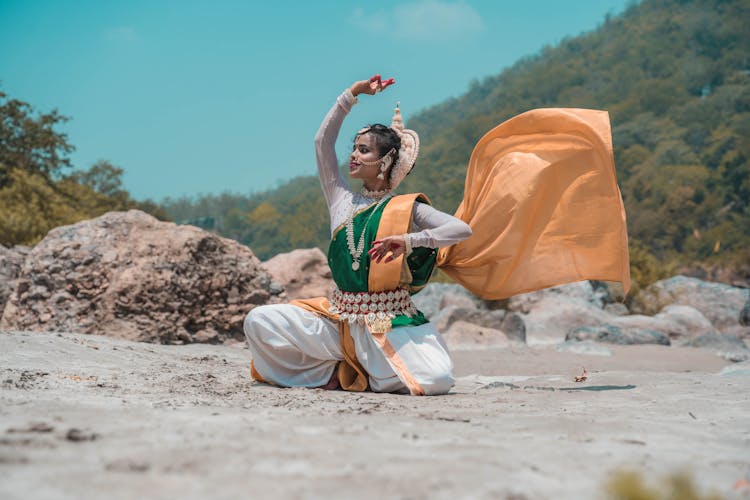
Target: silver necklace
[
  {"x": 373, "y": 194},
  {"x": 356, "y": 251}
]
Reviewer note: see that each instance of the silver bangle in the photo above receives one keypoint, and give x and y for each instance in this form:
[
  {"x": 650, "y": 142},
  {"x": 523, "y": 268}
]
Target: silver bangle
[{"x": 407, "y": 244}]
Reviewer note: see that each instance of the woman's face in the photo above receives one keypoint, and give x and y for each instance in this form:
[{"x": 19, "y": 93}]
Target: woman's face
[{"x": 364, "y": 150}]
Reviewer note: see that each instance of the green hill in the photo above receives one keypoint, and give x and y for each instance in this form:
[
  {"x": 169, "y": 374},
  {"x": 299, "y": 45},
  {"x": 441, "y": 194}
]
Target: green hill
[{"x": 675, "y": 77}]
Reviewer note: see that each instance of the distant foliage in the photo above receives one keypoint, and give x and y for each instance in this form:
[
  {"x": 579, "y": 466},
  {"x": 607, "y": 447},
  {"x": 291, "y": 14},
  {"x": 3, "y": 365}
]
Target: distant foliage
[
  {"x": 36, "y": 195},
  {"x": 675, "y": 77},
  {"x": 630, "y": 485}
]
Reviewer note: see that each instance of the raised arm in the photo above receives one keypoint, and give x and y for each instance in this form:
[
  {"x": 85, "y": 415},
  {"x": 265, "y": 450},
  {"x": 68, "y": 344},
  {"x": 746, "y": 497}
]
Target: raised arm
[{"x": 333, "y": 183}]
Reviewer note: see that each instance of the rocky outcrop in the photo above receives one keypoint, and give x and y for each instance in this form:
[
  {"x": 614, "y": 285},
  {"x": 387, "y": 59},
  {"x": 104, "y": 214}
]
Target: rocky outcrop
[
  {"x": 462, "y": 335},
  {"x": 721, "y": 304},
  {"x": 745, "y": 313},
  {"x": 618, "y": 335},
  {"x": 550, "y": 319},
  {"x": 436, "y": 296},
  {"x": 128, "y": 275},
  {"x": 598, "y": 296},
  {"x": 729, "y": 347},
  {"x": 304, "y": 273},
  {"x": 507, "y": 322},
  {"x": 11, "y": 260},
  {"x": 679, "y": 323}
]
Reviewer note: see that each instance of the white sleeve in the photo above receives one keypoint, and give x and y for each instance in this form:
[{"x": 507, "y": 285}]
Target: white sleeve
[
  {"x": 433, "y": 228},
  {"x": 333, "y": 184}
]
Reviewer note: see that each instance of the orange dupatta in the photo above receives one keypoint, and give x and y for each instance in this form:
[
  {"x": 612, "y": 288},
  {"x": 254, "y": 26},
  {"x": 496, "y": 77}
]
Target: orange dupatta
[{"x": 542, "y": 201}]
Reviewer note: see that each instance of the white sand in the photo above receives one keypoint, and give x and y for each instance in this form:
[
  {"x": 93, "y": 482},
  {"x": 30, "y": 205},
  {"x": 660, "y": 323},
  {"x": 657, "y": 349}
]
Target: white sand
[{"x": 167, "y": 422}]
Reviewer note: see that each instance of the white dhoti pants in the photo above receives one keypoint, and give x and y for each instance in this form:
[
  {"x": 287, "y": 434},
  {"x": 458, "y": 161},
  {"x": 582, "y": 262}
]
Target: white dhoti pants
[{"x": 293, "y": 347}]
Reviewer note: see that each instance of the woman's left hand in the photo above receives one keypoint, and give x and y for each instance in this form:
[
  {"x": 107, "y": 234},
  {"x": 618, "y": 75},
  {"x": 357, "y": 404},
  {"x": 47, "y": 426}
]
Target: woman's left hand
[
  {"x": 394, "y": 245},
  {"x": 372, "y": 86}
]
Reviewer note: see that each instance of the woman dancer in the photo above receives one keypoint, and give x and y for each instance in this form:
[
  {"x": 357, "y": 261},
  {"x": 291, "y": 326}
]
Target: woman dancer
[{"x": 383, "y": 248}]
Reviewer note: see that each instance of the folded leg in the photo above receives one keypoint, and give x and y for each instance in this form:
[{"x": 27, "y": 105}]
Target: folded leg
[{"x": 292, "y": 347}]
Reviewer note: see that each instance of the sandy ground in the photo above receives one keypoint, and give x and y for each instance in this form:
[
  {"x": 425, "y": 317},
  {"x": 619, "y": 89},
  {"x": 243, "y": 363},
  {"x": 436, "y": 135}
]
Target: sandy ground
[{"x": 93, "y": 417}]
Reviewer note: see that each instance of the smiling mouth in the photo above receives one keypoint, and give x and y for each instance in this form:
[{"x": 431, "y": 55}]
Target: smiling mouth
[{"x": 353, "y": 165}]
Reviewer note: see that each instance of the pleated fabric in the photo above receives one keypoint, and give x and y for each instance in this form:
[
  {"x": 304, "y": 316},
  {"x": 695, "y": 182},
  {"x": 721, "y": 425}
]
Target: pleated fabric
[{"x": 542, "y": 200}]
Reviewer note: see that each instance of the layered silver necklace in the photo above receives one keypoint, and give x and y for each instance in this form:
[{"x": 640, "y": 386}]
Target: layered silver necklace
[{"x": 356, "y": 251}]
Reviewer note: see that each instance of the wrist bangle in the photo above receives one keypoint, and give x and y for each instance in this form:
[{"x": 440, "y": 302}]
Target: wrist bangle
[
  {"x": 407, "y": 244},
  {"x": 350, "y": 96}
]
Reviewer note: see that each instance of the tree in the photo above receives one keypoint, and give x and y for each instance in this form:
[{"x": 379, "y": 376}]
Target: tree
[{"x": 31, "y": 143}]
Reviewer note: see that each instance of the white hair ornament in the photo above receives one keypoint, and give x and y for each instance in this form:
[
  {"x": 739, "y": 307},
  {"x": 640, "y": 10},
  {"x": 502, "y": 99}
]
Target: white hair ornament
[{"x": 407, "y": 154}]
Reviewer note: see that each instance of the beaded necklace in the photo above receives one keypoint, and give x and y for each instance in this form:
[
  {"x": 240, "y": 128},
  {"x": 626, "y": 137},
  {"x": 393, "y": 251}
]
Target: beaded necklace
[{"x": 356, "y": 251}]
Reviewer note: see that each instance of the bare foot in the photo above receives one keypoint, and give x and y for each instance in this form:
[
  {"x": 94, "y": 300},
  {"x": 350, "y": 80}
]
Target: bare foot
[{"x": 333, "y": 384}]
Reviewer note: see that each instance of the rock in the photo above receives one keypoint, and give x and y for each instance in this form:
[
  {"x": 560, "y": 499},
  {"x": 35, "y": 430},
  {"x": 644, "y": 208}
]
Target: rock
[
  {"x": 721, "y": 304},
  {"x": 583, "y": 290},
  {"x": 11, "y": 260},
  {"x": 551, "y": 318},
  {"x": 612, "y": 334},
  {"x": 457, "y": 300},
  {"x": 740, "y": 331},
  {"x": 128, "y": 275},
  {"x": 430, "y": 298},
  {"x": 584, "y": 347},
  {"x": 304, "y": 273},
  {"x": 510, "y": 323},
  {"x": 514, "y": 327},
  {"x": 745, "y": 313},
  {"x": 729, "y": 347},
  {"x": 465, "y": 336},
  {"x": 740, "y": 369},
  {"x": 616, "y": 308},
  {"x": 676, "y": 322}
]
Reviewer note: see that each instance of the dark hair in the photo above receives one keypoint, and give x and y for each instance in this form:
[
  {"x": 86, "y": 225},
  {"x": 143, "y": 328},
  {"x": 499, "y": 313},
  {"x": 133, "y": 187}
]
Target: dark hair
[{"x": 385, "y": 139}]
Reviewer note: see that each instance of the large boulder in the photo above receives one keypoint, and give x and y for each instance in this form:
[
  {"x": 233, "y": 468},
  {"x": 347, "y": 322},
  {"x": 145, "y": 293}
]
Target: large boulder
[
  {"x": 679, "y": 323},
  {"x": 462, "y": 336},
  {"x": 612, "y": 334},
  {"x": 583, "y": 290},
  {"x": 304, "y": 273},
  {"x": 745, "y": 313},
  {"x": 551, "y": 318},
  {"x": 436, "y": 296},
  {"x": 729, "y": 347},
  {"x": 11, "y": 260},
  {"x": 721, "y": 304},
  {"x": 510, "y": 323},
  {"x": 128, "y": 275}
]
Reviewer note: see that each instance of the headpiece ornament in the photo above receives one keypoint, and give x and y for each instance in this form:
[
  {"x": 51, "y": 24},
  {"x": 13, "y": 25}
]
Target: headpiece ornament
[{"x": 407, "y": 154}]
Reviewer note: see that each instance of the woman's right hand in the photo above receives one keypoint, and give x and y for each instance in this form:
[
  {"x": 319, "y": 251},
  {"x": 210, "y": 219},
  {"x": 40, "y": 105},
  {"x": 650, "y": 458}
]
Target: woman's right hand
[{"x": 371, "y": 86}]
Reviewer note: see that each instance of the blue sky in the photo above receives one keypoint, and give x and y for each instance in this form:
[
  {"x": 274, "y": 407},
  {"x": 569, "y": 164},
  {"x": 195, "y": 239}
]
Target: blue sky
[{"x": 197, "y": 97}]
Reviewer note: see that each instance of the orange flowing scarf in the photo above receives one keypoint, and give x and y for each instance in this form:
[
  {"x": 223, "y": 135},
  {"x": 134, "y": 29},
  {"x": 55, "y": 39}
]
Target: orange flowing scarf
[{"x": 542, "y": 200}]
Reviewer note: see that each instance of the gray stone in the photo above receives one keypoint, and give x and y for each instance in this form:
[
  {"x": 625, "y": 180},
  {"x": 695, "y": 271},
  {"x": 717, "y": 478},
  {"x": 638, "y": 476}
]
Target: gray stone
[
  {"x": 729, "y": 347},
  {"x": 430, "y": 298},
  {"x": 617, "y": 308},
  {"x": 612, "y": 334},
  {"x": 721, "y": 304},
  {"x": 552, "y": 317},
  {"x": 514, "y": 327},
  {"x": 740, "y": 369},
  {"x": 583, "y": 290},
  {"x": 462, "y": 335},
  {"x": 128, "y": 275},
  {"x": 11, "y": 260},
  {"x": 745, "y": 313},
  {"x": 449, "y": 315},
  {"x": 679, "y": 323}
]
